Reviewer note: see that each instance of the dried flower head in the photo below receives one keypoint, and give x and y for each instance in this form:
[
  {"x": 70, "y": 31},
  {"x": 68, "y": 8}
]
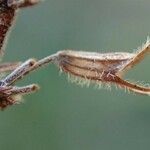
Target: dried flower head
[{"x": 103, "y": 68}]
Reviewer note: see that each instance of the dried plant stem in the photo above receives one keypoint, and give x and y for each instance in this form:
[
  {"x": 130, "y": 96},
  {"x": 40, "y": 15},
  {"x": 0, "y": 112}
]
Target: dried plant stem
[
  {"x": 96, "y": 67},
  {"x": 26, "y": 69},
  {"x": 107, "y": 68},
  {"x": 18, "y": 72},
  {"x": 22, "y": 3},
  {"x": 23, "y": 90},
  {"x": 132, "y": 86},
  {"x": 5, "y": 67},
  {"x": 139, "y": 55}
]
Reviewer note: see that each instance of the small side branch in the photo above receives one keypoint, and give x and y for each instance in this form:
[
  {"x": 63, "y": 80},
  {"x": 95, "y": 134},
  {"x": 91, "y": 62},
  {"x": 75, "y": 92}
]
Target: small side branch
[{"x": 18, "y": 72}]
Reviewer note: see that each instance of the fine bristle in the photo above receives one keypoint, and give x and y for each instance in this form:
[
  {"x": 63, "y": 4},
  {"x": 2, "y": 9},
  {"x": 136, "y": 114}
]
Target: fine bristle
[{"x": 84, "y": 82}]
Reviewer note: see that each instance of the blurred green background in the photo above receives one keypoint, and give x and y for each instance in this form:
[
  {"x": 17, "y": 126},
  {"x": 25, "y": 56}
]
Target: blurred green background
[{"x": 65, "y": 116}]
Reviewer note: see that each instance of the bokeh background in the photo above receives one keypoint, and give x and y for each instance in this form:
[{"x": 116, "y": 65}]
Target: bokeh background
[{"x": 65, "y": 116}]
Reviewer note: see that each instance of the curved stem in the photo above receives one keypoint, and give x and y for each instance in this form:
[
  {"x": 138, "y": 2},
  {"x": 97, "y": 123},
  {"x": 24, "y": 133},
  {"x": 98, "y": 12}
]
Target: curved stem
[{"x": 132, "y": 86}]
